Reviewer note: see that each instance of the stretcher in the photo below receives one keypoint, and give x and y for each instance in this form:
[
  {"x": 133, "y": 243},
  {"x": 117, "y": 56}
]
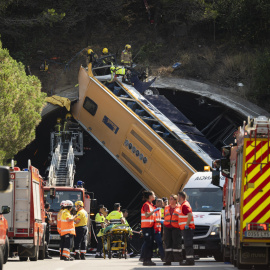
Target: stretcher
[{"x": 114, "y": 240}]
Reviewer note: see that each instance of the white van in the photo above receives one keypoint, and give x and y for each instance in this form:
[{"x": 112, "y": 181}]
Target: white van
[{"x": 206, "y": 202}]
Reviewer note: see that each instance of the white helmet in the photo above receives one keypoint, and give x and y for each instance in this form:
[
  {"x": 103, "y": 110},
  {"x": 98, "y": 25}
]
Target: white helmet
[
  {"x": 69, "y": 203},
  {"x": 63, "y": 203}
]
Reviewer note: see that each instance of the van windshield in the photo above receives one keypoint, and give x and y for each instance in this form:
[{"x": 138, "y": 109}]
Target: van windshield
[
  {"x": 62, "y": 195},
  {"x": 205, "y": 199}
]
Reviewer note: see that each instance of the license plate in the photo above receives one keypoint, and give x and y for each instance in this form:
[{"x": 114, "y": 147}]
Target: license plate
[
  {"x": 55, "y": 237},
  {"x": 258, "y": 234}
]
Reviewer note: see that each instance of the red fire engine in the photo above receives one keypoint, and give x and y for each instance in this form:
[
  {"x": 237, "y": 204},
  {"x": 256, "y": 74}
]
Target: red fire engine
[
  {"x": 55, "y": 194},
  {"x": 245, "y": 218},
  {"x": 27, "y": 222},
  {"x": 4, "y": 243}
]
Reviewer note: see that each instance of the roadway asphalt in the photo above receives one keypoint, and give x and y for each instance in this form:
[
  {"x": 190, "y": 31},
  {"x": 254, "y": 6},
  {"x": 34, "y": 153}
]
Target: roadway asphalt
[{"x": 117, "y": 264}]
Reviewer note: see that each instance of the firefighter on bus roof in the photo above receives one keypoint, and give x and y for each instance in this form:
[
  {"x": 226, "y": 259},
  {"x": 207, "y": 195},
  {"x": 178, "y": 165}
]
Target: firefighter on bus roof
[
  {"x": 80, "y": 242},
  {"x": 67, "y": 230}
]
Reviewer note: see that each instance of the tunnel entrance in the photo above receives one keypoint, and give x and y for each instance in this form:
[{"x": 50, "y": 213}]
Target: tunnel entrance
[{"x": 103, "y": 175}]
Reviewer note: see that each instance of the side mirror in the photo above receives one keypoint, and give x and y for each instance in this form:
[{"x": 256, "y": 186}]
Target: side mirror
[
  {"x": 5, "y": 209},
  {"x": 93, "y": 203},
  {"x": 225, "y": 167},
  {"x": 215, "y": 178},
  {"x": 52, "y": 193},
  {"x": 4, "y": 178},
  {"x": 216, "y": 164}
]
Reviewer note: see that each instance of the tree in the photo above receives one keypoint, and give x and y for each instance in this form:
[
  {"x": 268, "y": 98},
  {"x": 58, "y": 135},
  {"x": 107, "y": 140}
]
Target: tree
[{"x": 21, "y": 102}]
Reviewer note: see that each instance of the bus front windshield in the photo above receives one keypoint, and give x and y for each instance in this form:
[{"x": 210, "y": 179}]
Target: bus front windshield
[
  {"x": 62, "y": 195},
  {"x": 205, "y": 199}
]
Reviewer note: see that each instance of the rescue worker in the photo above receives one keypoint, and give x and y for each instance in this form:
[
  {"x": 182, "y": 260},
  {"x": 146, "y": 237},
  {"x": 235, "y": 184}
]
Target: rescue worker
[
  {"x": 66, "y": 125},
  {"x": 165, "y": 203},
  {"x": 147, "y": 225},
  {"x": 172, "y": 234},
  {"x": 99, "y": 219},
  {"x": 59, "y": 215},
  {"x": 57, "y": 130},
  {"x": 48, "y": 220},
  {"x": 116, "y": 216},
  {"x": 115, "y": 71},
  {"x": 67, "y": 230},
  {"x": 91, "y": 57},
  {"x": 187, "y": 227},
  {"x": 125, "y": 215},
  {"x": 126, "y": 56},
  {"x": 80, "y": 241},
  {"x": 158, "y": 227},
  {"x": 106, "y": 57}
]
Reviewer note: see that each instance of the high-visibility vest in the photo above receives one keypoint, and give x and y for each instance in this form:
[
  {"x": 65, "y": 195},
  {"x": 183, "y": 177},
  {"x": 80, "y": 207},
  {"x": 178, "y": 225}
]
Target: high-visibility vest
[
  {"x": 182, "y": 221},
  {"x": 99, "y": 219},
  {"x": 115, "y": 217},
  {"x": 67, "y": 227},
  {"x": 172, "y": 219},
  {"x": 147, "y": 222},
  {"x": 59, "y": 215},
  {"x": 162, "y": 213},
  {"x": 157, "y": 224}
]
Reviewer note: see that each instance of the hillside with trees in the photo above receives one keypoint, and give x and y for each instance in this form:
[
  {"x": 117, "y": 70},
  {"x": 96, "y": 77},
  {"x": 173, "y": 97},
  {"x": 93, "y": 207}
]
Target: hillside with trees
[{"x": 224, "y": 42}]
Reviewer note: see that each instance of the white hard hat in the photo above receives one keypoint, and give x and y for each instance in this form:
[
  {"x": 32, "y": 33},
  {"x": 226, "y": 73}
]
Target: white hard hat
[
  {"x": 69, "y": 203},
  {"x": 63, "y": 203}
]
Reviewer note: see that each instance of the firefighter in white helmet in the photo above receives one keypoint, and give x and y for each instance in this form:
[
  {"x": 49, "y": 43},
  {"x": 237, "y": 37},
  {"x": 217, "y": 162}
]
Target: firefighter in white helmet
[
  {"x": 67, "y": 229},
  {"x": 80, "y": 242},
  {"x": 59, "y": 215}
]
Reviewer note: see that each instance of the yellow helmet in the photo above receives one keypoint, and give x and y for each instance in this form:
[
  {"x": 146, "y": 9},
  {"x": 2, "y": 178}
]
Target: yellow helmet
[
  {"x": 105, "y": 51},
  {"x": 79, "y": 203},
  {"x": 90, "y": 51},
  {"x": 128, "y": 47},
  {"x": 68, "y": 116},
  {"x": 58, "y": 120}
]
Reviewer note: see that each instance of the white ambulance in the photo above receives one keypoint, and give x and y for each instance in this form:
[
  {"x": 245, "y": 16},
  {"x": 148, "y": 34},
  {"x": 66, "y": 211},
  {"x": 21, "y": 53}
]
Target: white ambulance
[{"x": 206, "y": 202}]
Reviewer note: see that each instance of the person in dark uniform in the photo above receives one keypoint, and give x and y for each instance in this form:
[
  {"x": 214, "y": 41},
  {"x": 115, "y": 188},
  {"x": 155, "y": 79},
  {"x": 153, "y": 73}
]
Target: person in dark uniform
[
  {"x": 48, "y": 221},
  {"x": 187, "y": 227}
]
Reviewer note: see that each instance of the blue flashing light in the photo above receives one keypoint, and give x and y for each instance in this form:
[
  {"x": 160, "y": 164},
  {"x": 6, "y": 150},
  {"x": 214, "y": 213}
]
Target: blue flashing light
[{"x": 80, "y": 184}]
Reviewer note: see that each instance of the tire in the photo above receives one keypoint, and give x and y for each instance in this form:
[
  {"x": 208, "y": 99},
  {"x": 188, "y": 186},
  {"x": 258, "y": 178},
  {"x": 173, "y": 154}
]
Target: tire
[
  {"x": 42, "y": 250},
  {"x": 6, "y": 250},
  {"x": 218, "y": 257},
  {"x": 23, "y": 259},
  {"x": 1, "y": 258},
  {"x": 34, "y": 259}
]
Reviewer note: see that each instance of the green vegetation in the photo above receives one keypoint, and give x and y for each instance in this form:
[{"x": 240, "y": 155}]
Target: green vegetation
[{"x": 21, "y": 102}]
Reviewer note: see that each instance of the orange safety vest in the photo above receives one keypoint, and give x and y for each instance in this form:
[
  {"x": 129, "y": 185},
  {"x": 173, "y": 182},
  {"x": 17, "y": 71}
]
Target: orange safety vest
[
  {"x": 157, "y": 224},
  {"x": 147, "y": 222},
  {"x": 67, "y": 227},
  {"x": 172, "y": 219},
  {"x": 182, "y": 221},
  {"x": 59, "y": 215}
]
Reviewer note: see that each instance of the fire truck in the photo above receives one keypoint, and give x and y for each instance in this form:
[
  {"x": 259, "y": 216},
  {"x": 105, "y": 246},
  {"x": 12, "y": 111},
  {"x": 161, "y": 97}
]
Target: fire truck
[
  {"x": 245, "y": 218},
  {"x": 4, "y": 243},
  {"x": 55, "y": 194},
  {"x": 26, "y": 224}
]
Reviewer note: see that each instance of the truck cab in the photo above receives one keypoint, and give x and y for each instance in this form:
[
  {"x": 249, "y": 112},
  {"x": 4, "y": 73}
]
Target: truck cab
[
  {"x": 206, "y": 202},
  {"x": 54, "y": 195}
]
